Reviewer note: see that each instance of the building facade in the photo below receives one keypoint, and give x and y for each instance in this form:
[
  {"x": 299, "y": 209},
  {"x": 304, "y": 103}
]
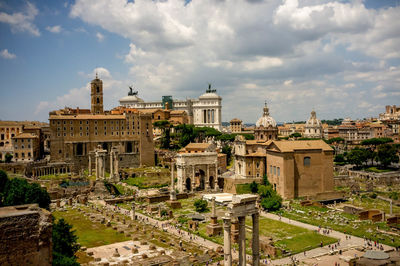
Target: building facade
[
  {"x": 300, "y": 168},
  {"x": 236, "y": 125},
  {"x": 266, "y": 128},
  {"x": 202, "y": 112},
  {"x": 77, "y": 132},
  {"x": 313, "y": 127}
]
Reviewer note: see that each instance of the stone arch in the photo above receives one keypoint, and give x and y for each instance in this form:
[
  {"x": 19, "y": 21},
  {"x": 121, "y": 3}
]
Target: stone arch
[
  {"x": 221, "y": 183},
  {"x": 201, "y": 179},
  {"x": 188, "y": 184},
  {"x": 211, "y": 182}
]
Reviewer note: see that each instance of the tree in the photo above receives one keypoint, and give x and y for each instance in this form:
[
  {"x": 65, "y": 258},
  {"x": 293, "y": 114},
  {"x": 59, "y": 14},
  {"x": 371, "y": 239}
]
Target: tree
[
  {"x": 165, "y": 127},
  {"x": 374, "y": 142},
  {"x": 270, "y": 200},
  {"x": 295, "y": 135},
  {"x": 265, "y": 180},
  {"x": 18, "y": 191},
  {"x": 357, "y": 156},
  {"x": 254, "y": 187},
  {"x": 387, "y": 154},
  {"x": 339, "y": 158},
  {"x": 186, "y": 133},
  {"x": 228, "y": 151},
  {"x": 201, "y": 205},
  {"x": 8, "y": 158},
  {"x": 64, "y": 244}
]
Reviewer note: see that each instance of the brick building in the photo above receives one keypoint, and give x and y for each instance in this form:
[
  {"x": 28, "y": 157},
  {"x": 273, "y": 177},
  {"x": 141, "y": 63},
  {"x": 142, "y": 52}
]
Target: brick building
[{"x": 76, "y": 132}]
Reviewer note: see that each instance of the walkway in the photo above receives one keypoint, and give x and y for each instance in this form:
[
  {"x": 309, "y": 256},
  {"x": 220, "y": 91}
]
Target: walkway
[{"x": 344, "y": 243}]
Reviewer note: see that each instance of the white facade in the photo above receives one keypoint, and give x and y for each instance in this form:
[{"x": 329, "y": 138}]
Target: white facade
[
  {"x": 313, "y": 127},
  {"x": 205, "y": 111}
]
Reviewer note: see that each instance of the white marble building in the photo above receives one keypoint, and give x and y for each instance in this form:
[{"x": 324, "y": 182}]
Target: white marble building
[{"x": 204, "y": 111}]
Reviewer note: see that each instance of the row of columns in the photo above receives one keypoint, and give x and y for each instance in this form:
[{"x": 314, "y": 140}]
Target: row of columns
[
  {"x": 208, "y": 116},
  {"x": 242, "y": 240},
  {"x": 50, "y": 170}
]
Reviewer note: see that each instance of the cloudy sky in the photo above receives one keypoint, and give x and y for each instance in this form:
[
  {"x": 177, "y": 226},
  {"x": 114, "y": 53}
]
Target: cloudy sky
[{"x": 341, "y": 58}]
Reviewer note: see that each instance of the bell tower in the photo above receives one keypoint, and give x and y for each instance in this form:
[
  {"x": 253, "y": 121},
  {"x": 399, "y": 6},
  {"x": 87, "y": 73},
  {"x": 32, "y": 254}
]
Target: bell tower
[{"x": 96, "y": 95}]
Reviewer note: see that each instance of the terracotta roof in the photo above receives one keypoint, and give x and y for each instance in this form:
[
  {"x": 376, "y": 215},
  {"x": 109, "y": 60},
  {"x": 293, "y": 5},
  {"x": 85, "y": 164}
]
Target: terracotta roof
[
  {"x": 25, "y": 136},
  {"x": 290, "y": 146},
  {"x": 259, "y": 142},
  {"x": 236, "y": 120},
  {"x": 85, "y": 116},
  {"x": 255, "y": 154},
  {"x": 197, "y": 146}
]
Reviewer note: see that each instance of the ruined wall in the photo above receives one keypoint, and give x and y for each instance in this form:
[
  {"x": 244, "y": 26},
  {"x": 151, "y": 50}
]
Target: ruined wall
[{"x": 25, "y": 235}]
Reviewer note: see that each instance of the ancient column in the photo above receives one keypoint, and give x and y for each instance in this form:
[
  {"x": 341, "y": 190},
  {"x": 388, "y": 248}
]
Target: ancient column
[
  {"x": 208, "y": 177},
  {"x": 256, "y": 239},
  {"x": 242, "y": 241},
  {"x": 116, "y": 166},
  {"x": 97, "y": 166},
  {"x": 193, "y": 178},
  {"x": 227, "y": 241},
  {"x": 172, "y": 195},
  {"x": 216, "y": 176},
  {"x": 213, "y": 210},
  {"x": 111, "y": 165}
]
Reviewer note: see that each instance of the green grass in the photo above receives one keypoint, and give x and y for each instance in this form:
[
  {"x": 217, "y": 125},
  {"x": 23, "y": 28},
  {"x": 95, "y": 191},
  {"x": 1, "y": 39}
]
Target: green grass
[
  {"x": 90, "y": 234},
  {"x": 341, "y": 222},
  {"x": 375, "y": 169},
  {"x": 243, "y": 189},
  {"x": 145, "y": 182},
  {"x": 370, "y": 203},
  {"x": 54, "y": 177},
  {"x": 289, "y": 237}
]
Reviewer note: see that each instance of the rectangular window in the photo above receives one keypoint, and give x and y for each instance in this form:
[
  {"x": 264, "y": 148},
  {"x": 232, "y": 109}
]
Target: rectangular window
[
  {"x": 274, "y": 170},
  {"x": 279, "y": 171},
  {"x": 270, "y": 169}
]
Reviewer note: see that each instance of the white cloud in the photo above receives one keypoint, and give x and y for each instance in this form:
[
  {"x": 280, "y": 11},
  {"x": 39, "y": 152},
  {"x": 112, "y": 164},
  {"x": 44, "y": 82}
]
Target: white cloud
[
  {"x": 7, "y": 55},
  {"x": 326, "y": 54},
  {"x": 100, "y": 37},
  {"x": 54, "y": 29},
  {"x": 113, "y": 90},
  {"x": 22, "y": 21}
]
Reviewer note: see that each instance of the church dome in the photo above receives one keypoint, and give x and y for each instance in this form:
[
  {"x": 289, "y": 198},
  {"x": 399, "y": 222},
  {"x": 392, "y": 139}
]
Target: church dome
[
  {"x": 313, "y": 121},
  {"x": 266, "y": 120}
]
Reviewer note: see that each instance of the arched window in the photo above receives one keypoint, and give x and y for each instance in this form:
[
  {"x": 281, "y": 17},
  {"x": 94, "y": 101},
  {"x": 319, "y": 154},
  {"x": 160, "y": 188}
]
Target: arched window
[
  {"x": 307, "y": 161},
  {"x": 98, "y": 100},
  {"x": 98, "y": 89}
]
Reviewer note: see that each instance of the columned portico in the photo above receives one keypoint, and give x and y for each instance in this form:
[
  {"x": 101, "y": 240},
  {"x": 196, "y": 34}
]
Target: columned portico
[{"x": 240, "y": 207}]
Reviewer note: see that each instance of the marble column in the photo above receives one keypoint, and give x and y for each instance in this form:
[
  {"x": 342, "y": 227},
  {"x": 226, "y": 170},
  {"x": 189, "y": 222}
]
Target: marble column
[
  {"x": 216, "y": 176},
  {"x": 193, "y": 178},
  {"x": 227, "y": 241},
  {"x": 208, "y": 178},
  {"x": 112, "y": 165},
  {"x": 116, "y": 166},
  {"x": 97, "y": 166},
  {"x": 242, "y": 241},
  {"x": 172, "y": 194},
  {"x": 256, "y": 239}
]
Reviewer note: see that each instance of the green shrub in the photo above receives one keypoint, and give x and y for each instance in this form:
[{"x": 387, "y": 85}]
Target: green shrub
[
  {"x": 64, "y": 244},
  {"x": 373, "y": 195},
  {"x": 201, "y": 205}
]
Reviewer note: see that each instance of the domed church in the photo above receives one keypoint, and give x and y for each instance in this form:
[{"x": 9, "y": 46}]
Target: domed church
[
  {"x": 313, "y": 127},
  {"x": 266, "y": 128}
]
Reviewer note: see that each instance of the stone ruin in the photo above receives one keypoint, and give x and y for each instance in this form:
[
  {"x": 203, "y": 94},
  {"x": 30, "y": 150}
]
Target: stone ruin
[
  {"x": 25, "y": 235},
  {"x": 240, "y": 207},
  {"x": 214, "y": 228}
]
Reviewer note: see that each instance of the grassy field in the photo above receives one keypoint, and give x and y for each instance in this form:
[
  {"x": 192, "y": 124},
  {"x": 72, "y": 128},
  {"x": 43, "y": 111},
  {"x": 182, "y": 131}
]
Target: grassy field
[
  {"x": 143, "y": 182},
  {"x": 90, "y": 234},
  {"x": 289, "y": 237},
  {"x": 243, "y": 189},
  {"x": 370, "y": 203},
  {"x": 375, "y": 169},
  {"x": 340, "y": 221}
]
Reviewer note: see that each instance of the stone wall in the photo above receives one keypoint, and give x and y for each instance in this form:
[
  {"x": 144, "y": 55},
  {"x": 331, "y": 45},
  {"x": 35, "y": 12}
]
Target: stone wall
[{"x": 25, "y": 235}]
